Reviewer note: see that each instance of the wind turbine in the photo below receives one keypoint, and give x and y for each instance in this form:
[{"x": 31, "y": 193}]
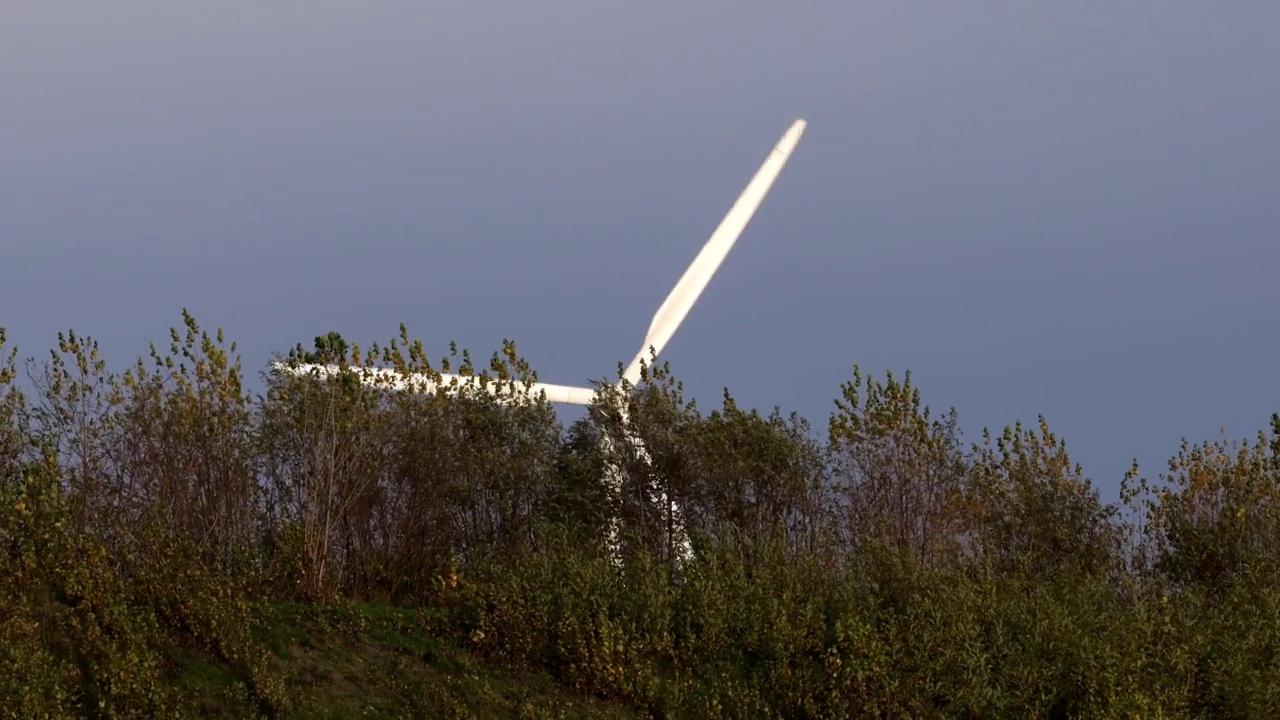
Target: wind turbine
[{"x": 663, "y": 326}]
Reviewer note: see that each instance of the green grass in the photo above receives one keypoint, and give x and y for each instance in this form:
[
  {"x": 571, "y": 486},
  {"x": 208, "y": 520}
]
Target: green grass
[{"x": 376, "y": 661}]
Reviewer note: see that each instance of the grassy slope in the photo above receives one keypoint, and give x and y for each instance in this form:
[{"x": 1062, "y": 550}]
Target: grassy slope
[{"x": 374, "y": 661}]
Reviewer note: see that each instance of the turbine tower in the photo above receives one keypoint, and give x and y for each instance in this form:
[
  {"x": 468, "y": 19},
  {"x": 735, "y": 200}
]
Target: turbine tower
[{"x": 663, "y": 326}]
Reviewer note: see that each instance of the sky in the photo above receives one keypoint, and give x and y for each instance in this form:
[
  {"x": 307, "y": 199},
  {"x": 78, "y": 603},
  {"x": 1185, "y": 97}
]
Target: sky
[{"x": 1068, "y": 209}]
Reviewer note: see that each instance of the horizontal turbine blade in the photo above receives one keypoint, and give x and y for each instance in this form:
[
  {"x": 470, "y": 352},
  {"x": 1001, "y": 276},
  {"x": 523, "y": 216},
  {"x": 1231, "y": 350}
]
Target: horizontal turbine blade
[
  {"x": 682, "y": 297},
  {"x": 421, "y": 382}
]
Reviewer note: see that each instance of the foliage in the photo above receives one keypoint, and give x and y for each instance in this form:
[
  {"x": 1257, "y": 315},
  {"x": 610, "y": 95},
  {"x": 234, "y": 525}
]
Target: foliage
[{"x": 175, "y": 545}]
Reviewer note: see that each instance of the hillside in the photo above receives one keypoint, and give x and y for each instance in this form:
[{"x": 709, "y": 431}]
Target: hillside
[{"x": 371, "y": 661}]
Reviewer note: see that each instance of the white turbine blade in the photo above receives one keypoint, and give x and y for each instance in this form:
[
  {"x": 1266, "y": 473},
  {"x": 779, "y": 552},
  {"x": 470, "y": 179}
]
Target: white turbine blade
[
  {"x": 421, "y": 382},
  {"x": 695, "y": 278}
]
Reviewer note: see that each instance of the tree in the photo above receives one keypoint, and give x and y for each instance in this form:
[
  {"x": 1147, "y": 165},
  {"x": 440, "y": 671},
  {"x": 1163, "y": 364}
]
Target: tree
[
  {"x": 898, "y": 473},
  {"x": 1032, "y": 510}
]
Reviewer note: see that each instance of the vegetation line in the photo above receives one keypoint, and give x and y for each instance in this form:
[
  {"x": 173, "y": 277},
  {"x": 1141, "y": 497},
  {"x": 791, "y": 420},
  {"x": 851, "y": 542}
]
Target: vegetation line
[{"x": 174, "y": 545}]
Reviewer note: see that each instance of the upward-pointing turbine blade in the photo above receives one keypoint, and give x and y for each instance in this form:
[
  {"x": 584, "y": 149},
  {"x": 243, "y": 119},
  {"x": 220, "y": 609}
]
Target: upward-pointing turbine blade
[{"x": 695, "y": 278}]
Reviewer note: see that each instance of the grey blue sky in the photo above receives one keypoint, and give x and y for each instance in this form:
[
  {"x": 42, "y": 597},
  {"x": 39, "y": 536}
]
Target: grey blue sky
[{"x": 1059, "y": 208}]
